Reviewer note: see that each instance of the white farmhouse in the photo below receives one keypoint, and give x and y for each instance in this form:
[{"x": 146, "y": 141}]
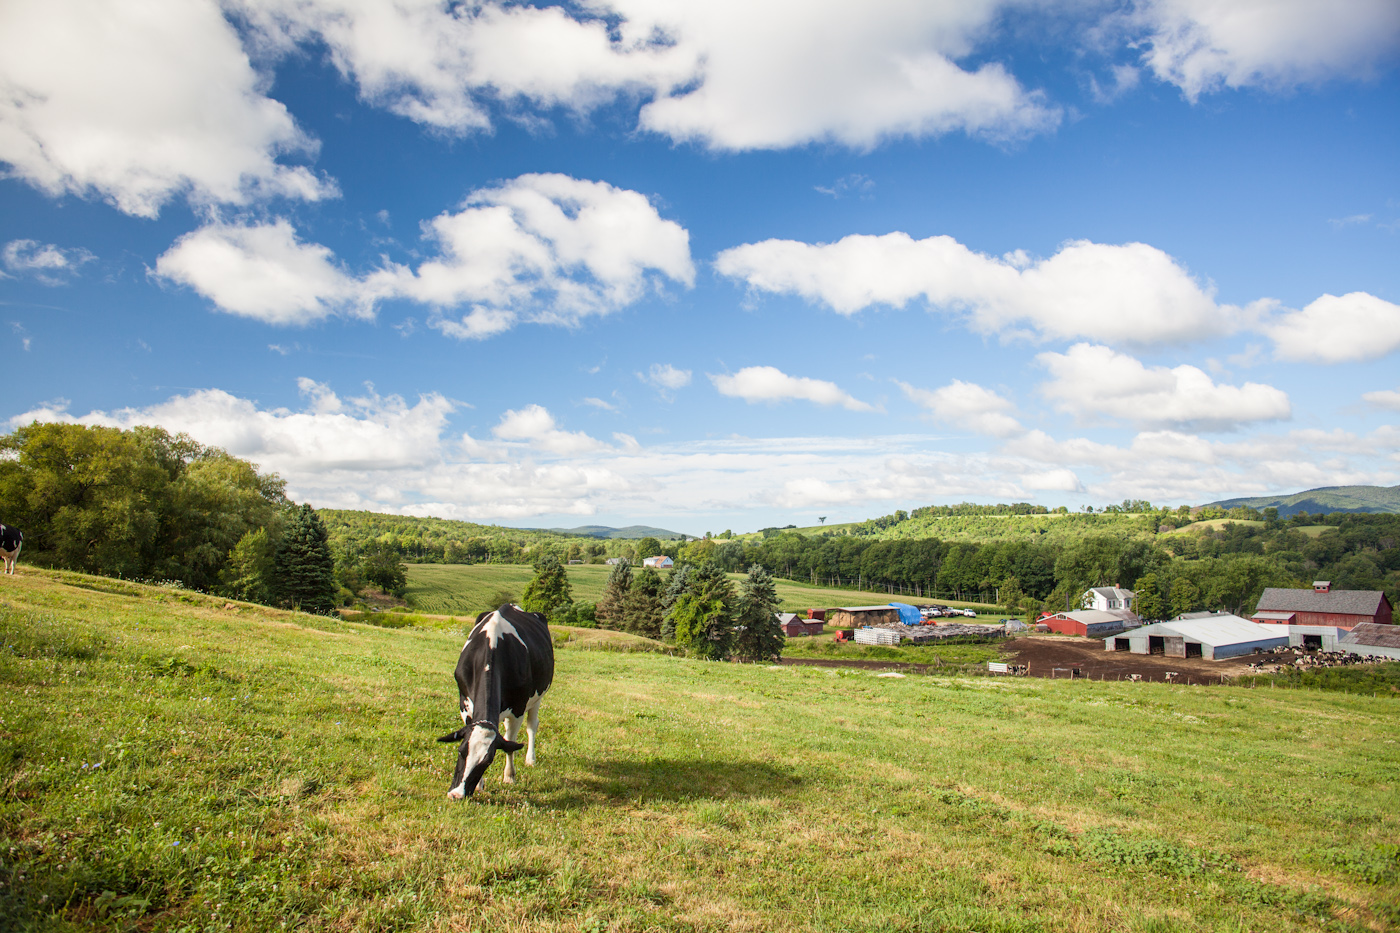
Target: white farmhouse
[{"x": 1108, "y": 598}]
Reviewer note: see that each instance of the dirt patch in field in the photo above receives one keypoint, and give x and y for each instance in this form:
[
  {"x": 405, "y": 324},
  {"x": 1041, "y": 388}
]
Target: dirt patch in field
[
  {"x": 1059, "y": 656},
  {"x": 1056, "y": 656}
]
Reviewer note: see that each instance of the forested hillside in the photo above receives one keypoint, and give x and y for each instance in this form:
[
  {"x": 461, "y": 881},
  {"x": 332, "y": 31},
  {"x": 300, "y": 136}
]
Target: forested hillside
[
  {"x": 1222, "y": 564},
  {"x": 1326, "y": 499},
  {"x": 448, "y": 541}
]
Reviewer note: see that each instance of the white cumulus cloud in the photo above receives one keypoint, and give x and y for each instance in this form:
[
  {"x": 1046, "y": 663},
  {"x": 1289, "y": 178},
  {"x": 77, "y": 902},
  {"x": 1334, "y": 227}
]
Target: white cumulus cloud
[
  {"x": 535, "y": 426},
  {"x": 444, "y": 65},
  {"x": 1338, "y": 329},
  {"x": 1385, "y": 398},
  {"x": 967, "y": 405},
  {"x": 332, "y": 434},
  {"x": 798, "y": 71},
  {"x": 1204, "y": 45},
  {"x": 1091, "y": 381},
  {"x": 139, "y": 102},
  {"x": 50, "y": 264},
  {"x": 542, "y": 248},
  {"x": 722, "y": 73},
  {"x": 769, "y": 384},
  {"x": 665, "y": 376},
  {"x": 1132, "y": 293},
  {"x": 262, "y": 271},
  {"x": 545, "y": 249}
]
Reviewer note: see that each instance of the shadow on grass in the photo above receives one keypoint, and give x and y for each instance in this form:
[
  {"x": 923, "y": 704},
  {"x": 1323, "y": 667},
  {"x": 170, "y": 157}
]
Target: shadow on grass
[{"x": 620, "y": 782}]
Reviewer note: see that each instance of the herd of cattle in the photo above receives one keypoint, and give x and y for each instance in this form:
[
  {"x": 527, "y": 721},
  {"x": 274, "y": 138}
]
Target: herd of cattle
[{"x": 1308, "y": 659}]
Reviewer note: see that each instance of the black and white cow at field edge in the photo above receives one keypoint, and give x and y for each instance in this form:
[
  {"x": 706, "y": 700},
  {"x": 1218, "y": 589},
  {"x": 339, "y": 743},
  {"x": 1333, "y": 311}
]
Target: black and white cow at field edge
[
  {"x": 10, "y": 540},
  {"x": 505, "y": 667}
]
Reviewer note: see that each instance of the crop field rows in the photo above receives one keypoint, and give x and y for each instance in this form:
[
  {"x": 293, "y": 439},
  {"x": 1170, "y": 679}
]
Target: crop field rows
[{"x": 171, "y": 761}]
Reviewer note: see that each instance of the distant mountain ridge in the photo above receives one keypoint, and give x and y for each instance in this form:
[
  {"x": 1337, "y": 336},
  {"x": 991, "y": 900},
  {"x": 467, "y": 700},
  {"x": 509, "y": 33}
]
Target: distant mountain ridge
[
  {"x": 1325, "y": 499},
  {"x": 630, "y": 532}
]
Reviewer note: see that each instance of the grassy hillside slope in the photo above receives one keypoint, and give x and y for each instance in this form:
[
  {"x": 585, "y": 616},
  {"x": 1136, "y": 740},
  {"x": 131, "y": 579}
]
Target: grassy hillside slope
[
  {"x": 980, "y": 528},
  {"x": 171, "y": 761},
  {"x": 466, "y": 589},
  {"x": 1326, "y": 499}
]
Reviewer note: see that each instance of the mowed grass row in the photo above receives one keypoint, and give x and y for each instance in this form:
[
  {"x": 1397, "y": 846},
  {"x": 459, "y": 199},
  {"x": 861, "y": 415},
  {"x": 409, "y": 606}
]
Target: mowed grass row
[
  {"x": 466, "y": 589},
  {"x": 170, "y": 761}
]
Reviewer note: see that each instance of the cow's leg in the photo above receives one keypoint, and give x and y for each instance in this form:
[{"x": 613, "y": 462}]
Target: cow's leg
[
  {"x": 510, "y": 728},
  {"x": 532, "y": 725}
]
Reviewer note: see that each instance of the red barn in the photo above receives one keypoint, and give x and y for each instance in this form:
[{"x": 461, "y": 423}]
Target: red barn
[
  {"x": 1323, "y": 605},
  {"x": 794, "y": 626},
  {"x": 1095, "y": 622}
]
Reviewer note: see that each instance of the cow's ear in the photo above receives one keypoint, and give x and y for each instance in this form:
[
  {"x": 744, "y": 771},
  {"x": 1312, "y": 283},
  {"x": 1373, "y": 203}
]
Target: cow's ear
[
  {"x": 506, "y": 745},
  {"x": 457, "y": 736}
]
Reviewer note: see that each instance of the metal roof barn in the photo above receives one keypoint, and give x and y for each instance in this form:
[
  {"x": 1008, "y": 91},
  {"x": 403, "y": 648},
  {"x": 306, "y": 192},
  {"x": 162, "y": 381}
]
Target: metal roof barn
[
  {"x": 1372, "y": 638},
  {"x": 1092, "y": 622},
  {"x": 1214, "y": 638}
]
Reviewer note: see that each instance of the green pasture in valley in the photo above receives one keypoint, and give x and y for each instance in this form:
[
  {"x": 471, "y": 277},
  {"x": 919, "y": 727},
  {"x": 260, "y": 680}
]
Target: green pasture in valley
[
  {"x": 172, "y": 761},
  {"x": 466, "y": 589}
]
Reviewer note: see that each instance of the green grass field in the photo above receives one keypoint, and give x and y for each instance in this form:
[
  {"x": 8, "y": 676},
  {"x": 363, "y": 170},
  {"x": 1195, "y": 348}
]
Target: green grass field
[
  {"x": 1215, "y": 524},
  {"x": 171, "y": 761},
  {"x": 466, "y": 589}
]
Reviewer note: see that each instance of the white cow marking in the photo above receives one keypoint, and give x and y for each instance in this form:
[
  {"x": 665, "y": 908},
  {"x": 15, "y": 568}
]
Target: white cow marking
[
  {"x": 498, "y": 625},
  {"x": 478, "y": 749}
]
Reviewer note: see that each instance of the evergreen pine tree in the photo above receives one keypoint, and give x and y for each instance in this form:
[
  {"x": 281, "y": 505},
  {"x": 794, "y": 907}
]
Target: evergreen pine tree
[
  {"x": 609, "y": 611},
  {"x": 548, "y": 589},
  {"x": 758, "y": 636},
  {"x": 677, "y": 583},
  {"x": 641, "y": 607},
  {"x": 304, "y": 566},
  {"x": 703, "y": 616}
]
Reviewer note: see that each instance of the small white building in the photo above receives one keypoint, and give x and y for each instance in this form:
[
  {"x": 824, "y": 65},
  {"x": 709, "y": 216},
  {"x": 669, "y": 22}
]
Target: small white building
[
  {"x": 1108, "y": 598},
  {"x": 660, "y": 562},
  {"x": 1212, "y": 636}
]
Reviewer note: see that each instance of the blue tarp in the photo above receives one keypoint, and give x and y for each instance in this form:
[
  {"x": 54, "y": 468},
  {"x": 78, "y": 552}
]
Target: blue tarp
[{"x": 908, "y": 614}]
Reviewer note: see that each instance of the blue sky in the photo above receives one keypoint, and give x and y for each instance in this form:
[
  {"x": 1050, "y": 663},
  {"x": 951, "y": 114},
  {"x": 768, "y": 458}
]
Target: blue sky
[{"x": 713, "y": 265}]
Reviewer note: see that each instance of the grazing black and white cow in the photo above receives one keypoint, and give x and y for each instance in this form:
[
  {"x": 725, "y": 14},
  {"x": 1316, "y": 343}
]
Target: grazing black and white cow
[
  {"x": 505, "y": 667},
  {"x": 10, "y": 540}
]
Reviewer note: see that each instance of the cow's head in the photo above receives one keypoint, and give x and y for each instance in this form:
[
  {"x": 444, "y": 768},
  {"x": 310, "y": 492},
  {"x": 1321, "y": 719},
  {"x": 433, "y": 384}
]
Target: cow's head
[{"x": 480, "y": 742}]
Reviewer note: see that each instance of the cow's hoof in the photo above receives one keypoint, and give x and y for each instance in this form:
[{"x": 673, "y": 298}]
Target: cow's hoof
[{"x": 455, "y": 794}]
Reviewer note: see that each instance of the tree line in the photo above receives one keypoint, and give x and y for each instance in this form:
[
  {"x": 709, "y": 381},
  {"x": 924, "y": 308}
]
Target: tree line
[
  {"x": 1225, "y": 568},
  {"x": 148, "y": 505},
  {"x": 696, "y": 607}
]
